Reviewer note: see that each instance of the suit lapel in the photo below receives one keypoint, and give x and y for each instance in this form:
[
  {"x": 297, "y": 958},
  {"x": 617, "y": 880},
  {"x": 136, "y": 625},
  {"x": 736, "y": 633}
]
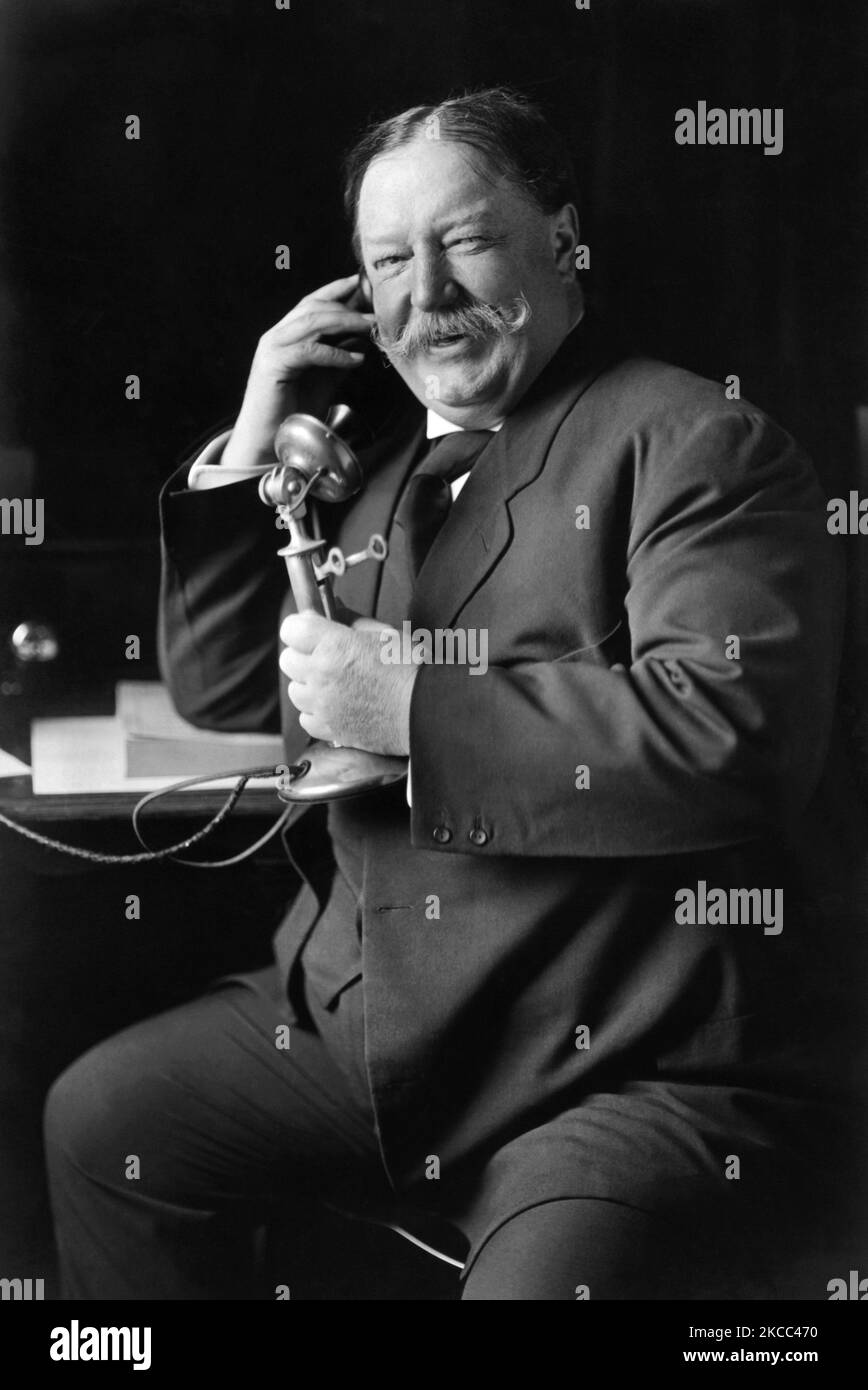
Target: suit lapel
[{"x": 479, "y": 527}]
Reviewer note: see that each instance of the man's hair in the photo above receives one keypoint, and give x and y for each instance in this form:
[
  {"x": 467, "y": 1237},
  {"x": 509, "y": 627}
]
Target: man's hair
[{"x": 505, "y": 127}]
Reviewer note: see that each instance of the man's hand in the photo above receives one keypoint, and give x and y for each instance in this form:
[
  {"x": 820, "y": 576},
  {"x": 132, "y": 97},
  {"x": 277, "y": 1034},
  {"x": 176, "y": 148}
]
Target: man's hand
[
  {"x": 341, "y": 686},
  {"x": 294, "y": 369}
]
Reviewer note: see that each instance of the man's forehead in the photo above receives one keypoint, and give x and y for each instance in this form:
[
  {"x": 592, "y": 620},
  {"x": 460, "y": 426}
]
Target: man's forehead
[
  {"x": 384, "y": 223},
  {"x": 447, "y": 184}
]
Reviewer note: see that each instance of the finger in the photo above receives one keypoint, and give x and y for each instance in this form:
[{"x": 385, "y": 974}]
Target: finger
[
  {"x": 325, "y": 355},
  {"x": 319, "y": 303},
  {"x": 320, "y": 320},
  {"x": 295, "y": 664},
  {"x": 337, "y": 289},
  {"x": 373, "y": 625},
  {"x": 304, "y": 631},
  {"x": 317, "y": 728},
  {"x": 300, "y": 697}
]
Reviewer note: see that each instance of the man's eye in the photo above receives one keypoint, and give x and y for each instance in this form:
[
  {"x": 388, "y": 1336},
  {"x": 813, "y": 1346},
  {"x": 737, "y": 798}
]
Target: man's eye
[
  {"x": 388, "y": 260},
  {"x": 463, "y": 240}
]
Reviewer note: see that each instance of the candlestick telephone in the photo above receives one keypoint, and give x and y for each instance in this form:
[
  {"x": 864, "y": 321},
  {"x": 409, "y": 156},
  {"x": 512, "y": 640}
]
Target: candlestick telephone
[{"x": 316, "y": 461}]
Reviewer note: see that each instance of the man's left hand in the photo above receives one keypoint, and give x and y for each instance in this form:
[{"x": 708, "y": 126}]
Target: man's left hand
[{"x": 343, "y": 689}]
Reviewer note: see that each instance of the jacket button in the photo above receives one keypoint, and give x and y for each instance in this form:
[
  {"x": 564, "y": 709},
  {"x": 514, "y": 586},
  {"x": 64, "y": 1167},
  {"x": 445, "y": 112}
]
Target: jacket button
[
  {"x": 442, "y": 834},
  {"x": 478, "y": 836}
]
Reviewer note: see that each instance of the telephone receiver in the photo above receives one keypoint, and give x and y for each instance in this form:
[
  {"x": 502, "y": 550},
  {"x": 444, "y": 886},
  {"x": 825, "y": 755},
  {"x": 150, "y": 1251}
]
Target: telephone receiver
[
  {"x": 365, "y": 288},
  {"x": 366, "y": 294},
  {"x": 373, "y": 389},
  {"x": 361, "y": 299},
  {"x": 317, "y": 459}
]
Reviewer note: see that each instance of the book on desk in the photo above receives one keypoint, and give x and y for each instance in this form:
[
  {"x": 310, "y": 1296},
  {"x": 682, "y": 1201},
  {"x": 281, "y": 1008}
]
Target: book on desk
[
  {"x": 158, "y": 742},
  {"x": 143, "y": 746}
]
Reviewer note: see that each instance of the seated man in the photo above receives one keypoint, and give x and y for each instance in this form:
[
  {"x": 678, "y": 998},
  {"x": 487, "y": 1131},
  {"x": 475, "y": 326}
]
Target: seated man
[{"x": 565, "y": 991}]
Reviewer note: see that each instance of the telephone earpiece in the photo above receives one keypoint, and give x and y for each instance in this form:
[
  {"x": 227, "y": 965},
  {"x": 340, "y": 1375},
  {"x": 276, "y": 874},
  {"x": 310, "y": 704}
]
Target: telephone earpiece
[{"x": 375, "y": 389}]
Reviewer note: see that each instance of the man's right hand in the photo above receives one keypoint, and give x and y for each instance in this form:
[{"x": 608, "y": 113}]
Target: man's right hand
[{"x": 293, "y": 369}]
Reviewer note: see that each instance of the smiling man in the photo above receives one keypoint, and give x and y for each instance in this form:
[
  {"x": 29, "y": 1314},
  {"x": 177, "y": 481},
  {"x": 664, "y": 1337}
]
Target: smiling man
[
  {"x": 499, "y": 1020},
  {"x": 474, "y": 284}
]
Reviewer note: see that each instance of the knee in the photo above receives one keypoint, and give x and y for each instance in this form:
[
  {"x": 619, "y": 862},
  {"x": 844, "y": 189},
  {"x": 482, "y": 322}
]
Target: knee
[{"x": 86, "y": 1111}]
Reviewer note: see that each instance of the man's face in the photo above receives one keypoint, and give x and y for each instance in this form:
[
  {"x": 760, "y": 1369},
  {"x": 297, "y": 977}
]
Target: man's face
[{"x": 456, "y": 254}]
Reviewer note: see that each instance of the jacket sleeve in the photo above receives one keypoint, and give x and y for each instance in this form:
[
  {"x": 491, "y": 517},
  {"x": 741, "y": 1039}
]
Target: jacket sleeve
[
  {"x": 222, "y": 593},
  {"x": 697, "y": 742}
]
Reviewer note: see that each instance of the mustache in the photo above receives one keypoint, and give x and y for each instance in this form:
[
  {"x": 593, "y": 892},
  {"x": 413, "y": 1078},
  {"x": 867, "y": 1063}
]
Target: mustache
[{"x": 471, "y": 319}]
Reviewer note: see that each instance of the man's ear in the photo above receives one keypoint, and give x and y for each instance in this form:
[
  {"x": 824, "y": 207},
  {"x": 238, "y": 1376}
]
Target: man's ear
[{"x": 565, "y": 239}]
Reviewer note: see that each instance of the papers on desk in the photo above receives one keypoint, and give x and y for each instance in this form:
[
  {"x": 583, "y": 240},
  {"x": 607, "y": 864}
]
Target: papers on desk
[
  {"x": 75, "y": 755},
  {"x": 12, "y": 767},
  {"x": 159, "y": 743}
]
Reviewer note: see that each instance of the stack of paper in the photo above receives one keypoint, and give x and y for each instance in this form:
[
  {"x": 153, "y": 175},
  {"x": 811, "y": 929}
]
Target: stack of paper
[{"x": 158, "y": 742}]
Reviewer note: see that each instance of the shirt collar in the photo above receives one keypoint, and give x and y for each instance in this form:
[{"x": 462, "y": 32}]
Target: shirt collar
[{"x": 436, "y": 426}]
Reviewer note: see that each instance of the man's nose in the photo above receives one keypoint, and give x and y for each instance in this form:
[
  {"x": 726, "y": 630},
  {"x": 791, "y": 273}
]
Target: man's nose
[{"x": 433, "y": 287}]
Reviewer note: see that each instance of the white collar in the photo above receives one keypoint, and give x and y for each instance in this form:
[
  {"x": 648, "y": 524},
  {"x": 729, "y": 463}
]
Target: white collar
[{"x": 436, "y": 426}]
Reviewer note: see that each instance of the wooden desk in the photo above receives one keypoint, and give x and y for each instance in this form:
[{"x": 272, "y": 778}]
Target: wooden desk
[{"x": 18, "y": 801}]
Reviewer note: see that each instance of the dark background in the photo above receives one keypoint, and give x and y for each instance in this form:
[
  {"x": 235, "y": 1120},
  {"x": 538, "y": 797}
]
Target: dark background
[{"x": 156, "y": 257}]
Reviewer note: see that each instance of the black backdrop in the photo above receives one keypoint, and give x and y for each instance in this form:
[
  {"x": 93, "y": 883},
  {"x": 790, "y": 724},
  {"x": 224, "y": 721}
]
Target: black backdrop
[{"x": 156, "y": 257}]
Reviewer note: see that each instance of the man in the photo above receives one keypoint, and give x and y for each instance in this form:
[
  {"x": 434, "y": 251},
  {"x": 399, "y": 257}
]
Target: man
[{"x": 511, "y": 1007}]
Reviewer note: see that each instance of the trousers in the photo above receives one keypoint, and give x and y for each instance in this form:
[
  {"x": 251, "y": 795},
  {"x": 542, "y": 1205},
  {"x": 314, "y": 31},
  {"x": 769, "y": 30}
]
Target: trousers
[{"x": 169, "y": 1144}]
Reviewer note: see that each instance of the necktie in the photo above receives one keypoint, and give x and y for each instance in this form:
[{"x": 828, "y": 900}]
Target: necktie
[
  {"x": 428, "y": 497},
  {"x": 421, "y": 512}
]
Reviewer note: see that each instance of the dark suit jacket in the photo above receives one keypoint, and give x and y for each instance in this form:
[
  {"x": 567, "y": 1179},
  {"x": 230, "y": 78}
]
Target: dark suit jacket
[{"x": 608, "y": 649}]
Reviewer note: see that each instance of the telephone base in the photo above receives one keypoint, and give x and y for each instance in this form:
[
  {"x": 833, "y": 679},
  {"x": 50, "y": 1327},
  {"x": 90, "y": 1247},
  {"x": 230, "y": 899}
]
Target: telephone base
[{"x": 333, "y": 774}]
